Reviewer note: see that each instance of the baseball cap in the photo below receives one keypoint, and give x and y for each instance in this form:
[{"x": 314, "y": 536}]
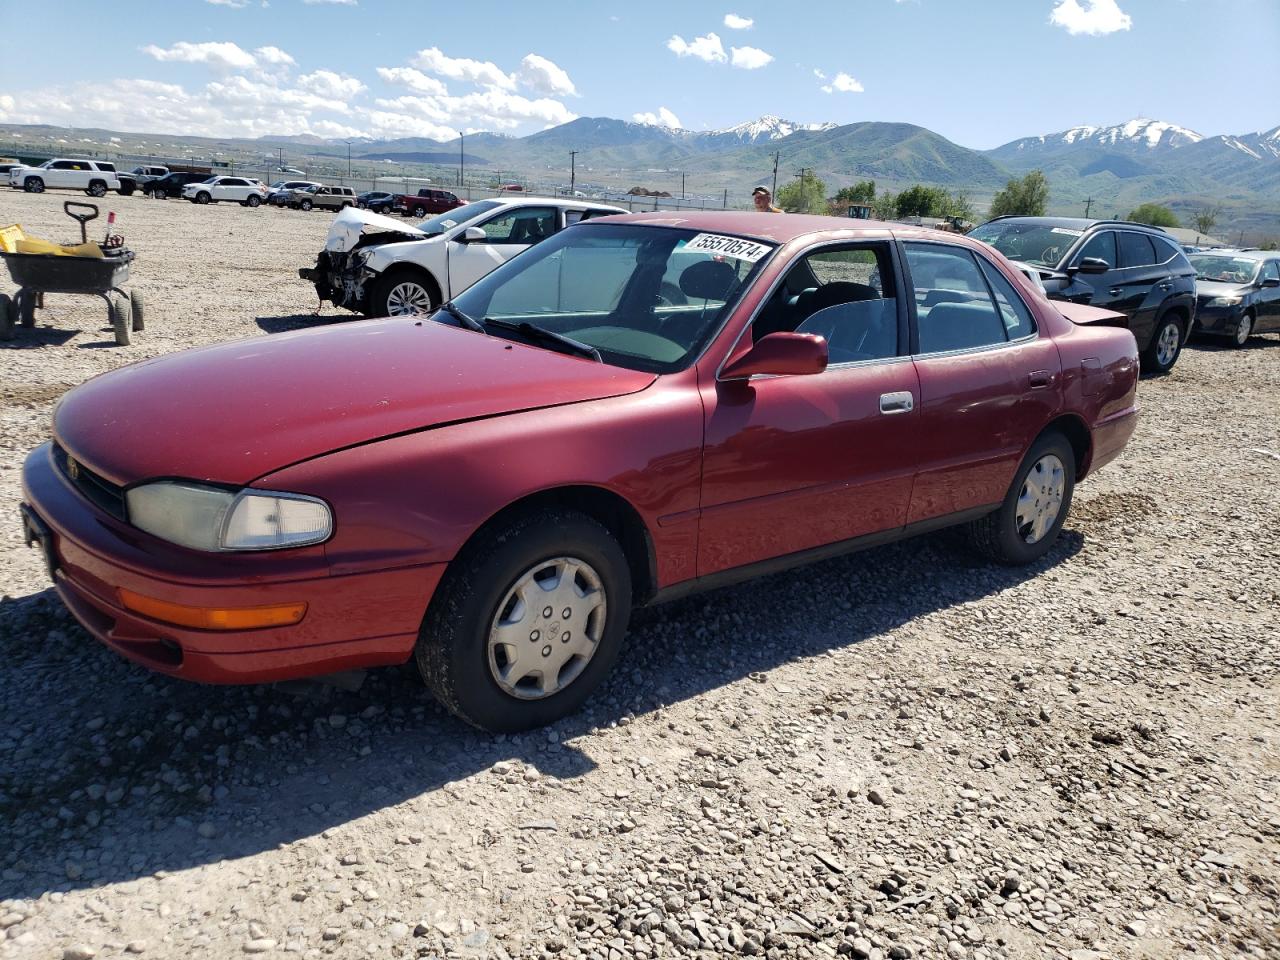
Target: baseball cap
[{"x": 760, "y": 189}]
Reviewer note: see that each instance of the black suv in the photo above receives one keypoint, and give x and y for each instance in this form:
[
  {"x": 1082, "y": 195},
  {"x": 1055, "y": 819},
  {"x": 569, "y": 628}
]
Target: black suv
[
  {"x": 170, "y": 185},
  {"x": 1130, "y": 268}
]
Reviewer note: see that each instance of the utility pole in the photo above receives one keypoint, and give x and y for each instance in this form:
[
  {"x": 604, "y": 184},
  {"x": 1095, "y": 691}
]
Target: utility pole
[
  {"x": 681, "y": 184},
  {"x": 348, "y": 142},
  {"x": 776, "y": 158},
  {"x": 573, "y": 171},
  {"x": 1087, "y": 204},
  {"x": 462, "y": 157}
]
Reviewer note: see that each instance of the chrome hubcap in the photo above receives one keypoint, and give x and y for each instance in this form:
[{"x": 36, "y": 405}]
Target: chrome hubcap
[
  {"x": 408, "y": 298},
  {"x": 1244, "y": 328},
  {"x": 1041, "y": 499},
  {"x": 547, "y": 628},
  {"x": 1167, "y": 348}
]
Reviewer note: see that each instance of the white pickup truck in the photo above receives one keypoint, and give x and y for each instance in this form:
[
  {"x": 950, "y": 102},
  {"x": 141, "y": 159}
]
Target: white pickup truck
[{"x": 94, "y": 177}]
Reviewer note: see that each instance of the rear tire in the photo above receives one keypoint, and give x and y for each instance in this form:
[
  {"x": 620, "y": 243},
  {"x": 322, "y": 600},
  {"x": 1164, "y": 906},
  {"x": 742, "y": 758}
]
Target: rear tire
[
  {"x": 135, "y": 311},
  {"x": 97, "y": 188},
  {"x": 1028, "y": 522},
  {"x": 1244, "y": 330},
  {"x": 1165, "y": 346},
  {"x": 419, "y": 212},
  {"x": 6, "y": 317},
  {"x": 460, "y": 651}
]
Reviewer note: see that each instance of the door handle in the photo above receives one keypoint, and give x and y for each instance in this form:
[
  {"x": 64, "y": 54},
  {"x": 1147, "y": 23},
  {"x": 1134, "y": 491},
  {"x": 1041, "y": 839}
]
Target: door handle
[
  {"x": 1115, "y": 291},
  {"x": 1040, "y": 379},
  {"x": 901, "y": 402},
  {"x": 1165, "y": 285}
]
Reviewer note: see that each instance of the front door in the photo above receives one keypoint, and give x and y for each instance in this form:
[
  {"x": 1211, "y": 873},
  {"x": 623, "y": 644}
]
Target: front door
[
  {"x": 797, "y": 462},
  {"x": 988, "y": 381},
  {"x": 1106, "y": 291},
  {"x": 507, "y": 233},
  {"x": 1269, "y": 298}
]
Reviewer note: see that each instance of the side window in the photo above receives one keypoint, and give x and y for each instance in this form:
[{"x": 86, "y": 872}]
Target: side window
[
  {"x": 1165, "y": 250},
  {"x": 573, "y": 216},
  {"x": 1013, "y": 310},
  {"x": 1136, "y": 250},
  {"x": 954, "y": 309},
  {"x": 843, "y": 294},
  {"x": 1270, "y": 271},
  {"x": 63, "y": 165},
  {"x": 525, "y": 225},
  {"x": 107, "y": 167},
  {"x": 1101, "y": 246}
]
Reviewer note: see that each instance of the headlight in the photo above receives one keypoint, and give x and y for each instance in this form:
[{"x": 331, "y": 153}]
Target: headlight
[
  {"x": 211, "y": 518},
  {"x": 1224, "y": 301}
]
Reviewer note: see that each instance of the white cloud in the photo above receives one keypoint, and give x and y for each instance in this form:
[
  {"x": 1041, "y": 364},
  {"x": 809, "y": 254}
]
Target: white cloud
[
  {"x": 708, "y": 48},
  {"x": 735, "y": 22},
  {"x": 539, "y": 73},
  {"x": 233, "y": 4},
  {"x": 844, "y": 84},
  {"x": 340, "y": 3},
  {"x": 1094, "y": 18},
  {"x": 819, "y": 74},
  {"x": 222, "y": 55},
  {"x": 481, "y": 72},
  {"x": 333, "y": 86},
  {"x": 383, "y": 123},
  {"x": 750, "y": 58},
  {"x": 496, "y": 109},
  {"x": 274, "y": 56},
  {"x": 663, "y": 118},
  {"x": 415, "y": 80}
]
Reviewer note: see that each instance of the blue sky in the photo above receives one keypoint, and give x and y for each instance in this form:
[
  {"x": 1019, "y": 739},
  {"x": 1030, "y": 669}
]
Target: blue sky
[{"x": 981, "y": 72}]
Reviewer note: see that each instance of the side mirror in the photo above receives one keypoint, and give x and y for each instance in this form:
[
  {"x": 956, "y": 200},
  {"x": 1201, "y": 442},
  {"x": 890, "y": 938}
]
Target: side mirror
[
  {"x": 780, "y": 354},
  {"x": 473, "y": 235},
  {"x": 1271, "y": 282},
  {"x": 1091, "y": 265}
]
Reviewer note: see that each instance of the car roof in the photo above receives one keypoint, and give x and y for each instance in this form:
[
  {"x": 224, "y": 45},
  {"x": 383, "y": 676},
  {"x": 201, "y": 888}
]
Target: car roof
[
  {"x": 1240, "y": 254},
  {"x": 1077, "y": 223},
  {"x": 524, "y": 200},
  {"x": 774, "y": 228}
]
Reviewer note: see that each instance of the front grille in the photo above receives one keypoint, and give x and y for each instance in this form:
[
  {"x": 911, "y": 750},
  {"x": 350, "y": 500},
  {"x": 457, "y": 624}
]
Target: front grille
[{"x": 100, "y": 491}]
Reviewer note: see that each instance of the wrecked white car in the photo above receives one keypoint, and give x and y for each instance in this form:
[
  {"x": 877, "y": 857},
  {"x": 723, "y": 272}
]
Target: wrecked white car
[{"x": 383, "y": 267}]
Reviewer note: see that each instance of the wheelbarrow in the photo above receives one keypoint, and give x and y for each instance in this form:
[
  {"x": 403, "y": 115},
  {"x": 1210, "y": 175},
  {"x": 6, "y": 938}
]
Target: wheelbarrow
[{"x": 39, "y": 273}]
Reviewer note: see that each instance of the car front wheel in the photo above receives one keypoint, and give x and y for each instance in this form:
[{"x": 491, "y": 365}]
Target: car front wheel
[
  {"x": 203, "y": 197},
  {"x": 1029, "y": 520},
  {"x": 1244, "y": 330},
  {"x": 1166, "y": 343},
  {"x": 252, "y": 200},
  {"x": 33, "y": 185},
  {"x": 527, "y": 622}
]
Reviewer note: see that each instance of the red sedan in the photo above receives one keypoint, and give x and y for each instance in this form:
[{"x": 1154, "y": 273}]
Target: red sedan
[{"x": 637, "y": 408}]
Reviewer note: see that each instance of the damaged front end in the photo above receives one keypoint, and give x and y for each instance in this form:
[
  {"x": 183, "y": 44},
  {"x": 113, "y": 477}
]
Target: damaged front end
[{"x": 340, "y": 275}]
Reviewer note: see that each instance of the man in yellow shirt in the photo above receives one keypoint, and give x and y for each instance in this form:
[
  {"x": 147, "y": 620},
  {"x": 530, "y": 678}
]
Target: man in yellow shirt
[{"x": 763, "y": 200}]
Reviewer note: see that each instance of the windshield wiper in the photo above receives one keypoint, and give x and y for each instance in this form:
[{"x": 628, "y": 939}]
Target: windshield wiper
[
  {"x": 535, "y": 332},
  {"x": 471, "y": 323}
]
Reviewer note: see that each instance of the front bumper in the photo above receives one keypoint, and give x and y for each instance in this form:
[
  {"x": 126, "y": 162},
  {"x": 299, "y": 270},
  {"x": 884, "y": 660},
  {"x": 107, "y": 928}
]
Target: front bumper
[
  {"x": 359, "y": 620},
  {"x": 1218, "y": 321}
]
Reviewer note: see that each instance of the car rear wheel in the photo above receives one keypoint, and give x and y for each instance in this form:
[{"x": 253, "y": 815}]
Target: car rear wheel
[
  {"x": 1244, "y": 330},
  {"x": 419, "y": 211},
  {"x": 97, "y": 189},
  {"x": 404, "y": 294},
  {"x": 527, "y": 622},
  {"x": 1029, "y": 520},
  {"x": 1162, "y": 353}
]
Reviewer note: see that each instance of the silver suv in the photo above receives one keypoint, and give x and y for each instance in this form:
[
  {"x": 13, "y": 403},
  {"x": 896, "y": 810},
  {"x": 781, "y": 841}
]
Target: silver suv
[{"x": 318, "y": 195}]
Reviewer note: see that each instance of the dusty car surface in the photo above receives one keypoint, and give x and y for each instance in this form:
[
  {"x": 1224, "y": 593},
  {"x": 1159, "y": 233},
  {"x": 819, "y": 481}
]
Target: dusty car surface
[
  {"x": 637, "y": 408},
  {"x": 385, "y": 268}
]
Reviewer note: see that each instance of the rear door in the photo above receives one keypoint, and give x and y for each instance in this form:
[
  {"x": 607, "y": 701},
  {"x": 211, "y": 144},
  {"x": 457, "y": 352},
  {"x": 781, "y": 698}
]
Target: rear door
[
  {"x": 1269, "y": 298},
  {"x": 1141, "y": 283},
  {"x": 66, "y": 173},
  {"x": 507, "y": 233},
  {"x": 989, "y": 381}
]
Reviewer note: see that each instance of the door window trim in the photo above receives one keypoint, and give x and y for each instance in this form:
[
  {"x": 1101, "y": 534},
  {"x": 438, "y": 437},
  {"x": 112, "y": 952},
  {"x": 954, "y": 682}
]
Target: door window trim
[
  {"x": 1078, "y": 254},
  {"x": 507, "y": 211},
  {"x": 915, "y": 320},
  {"x": 898, "y": 277}
]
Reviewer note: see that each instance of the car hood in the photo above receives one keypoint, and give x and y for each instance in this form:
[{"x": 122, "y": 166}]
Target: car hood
[
  {"x": 1083, "y": 314},
  {"x": 1216, "y": 288},
  {"x": 234, "y": 412},
  {"x": 353, "y": 223}
]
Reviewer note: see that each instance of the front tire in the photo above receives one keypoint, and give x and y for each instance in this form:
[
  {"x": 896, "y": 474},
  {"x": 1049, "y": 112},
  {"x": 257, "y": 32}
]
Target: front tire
[
  {"x": 305, "y": 205},
  {"x": 252, "y": 200},
  {"x": 489, "y": 650},
  {"x": 203, "y": 197},
  {"x": 1166, "y": 345},
  {"x": 33, "y": 185},
  {"x": 404, "y": 293},
  {"x": 1029, "y": 520},
  {"x": 24, "y": 307},
  {"x": 1244, "y": 330}
]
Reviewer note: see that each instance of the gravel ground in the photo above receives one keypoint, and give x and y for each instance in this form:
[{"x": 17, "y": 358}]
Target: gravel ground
[{"x": 905, "y": 753}]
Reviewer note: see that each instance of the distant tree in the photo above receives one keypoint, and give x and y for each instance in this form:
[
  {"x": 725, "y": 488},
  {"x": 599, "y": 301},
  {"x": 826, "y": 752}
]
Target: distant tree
[
  {"x": 1271, "y": 245},
  {"x": 922, "y": 201},
  {"x": 1027, "y": 197},
  {"x": 1206, "y": 218},
  {"x": 862, "y": 192},
  {"x": 1154, "y": 214},
  {"x": 808, "y": 194},
  {"x": 958, "y": 205},
  {"x": 885, "y": 206}
]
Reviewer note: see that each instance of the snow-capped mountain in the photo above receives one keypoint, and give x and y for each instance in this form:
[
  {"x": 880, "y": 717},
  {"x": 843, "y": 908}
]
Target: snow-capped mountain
[
  {"x": 768, "y": 127},
  {"x": 1140, "y": 135}
]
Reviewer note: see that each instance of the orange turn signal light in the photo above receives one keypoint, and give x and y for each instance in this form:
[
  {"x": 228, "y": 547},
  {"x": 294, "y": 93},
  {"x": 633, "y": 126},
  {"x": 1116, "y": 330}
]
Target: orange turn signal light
[{"x": 213, "y": 618}]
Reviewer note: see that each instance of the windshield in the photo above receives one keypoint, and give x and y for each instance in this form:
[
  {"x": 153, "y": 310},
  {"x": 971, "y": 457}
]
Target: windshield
[
  {"x": 1225, "y": 269},
  {"x": 648, "y": 298},
  {"x": 1035, "y": 243},
  {"x": 447, "y": 221},
  {"x": 210, "y": 180}
]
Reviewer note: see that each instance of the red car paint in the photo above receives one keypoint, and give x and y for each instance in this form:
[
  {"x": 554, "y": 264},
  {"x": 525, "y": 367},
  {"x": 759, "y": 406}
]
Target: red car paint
[{"x": 418, "y": 433}]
